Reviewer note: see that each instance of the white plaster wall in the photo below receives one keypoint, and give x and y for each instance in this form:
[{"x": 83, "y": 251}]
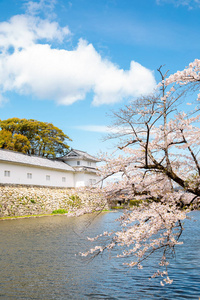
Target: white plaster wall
[
  {"x": 79, "y": 180},
  {"x": 93, "y": 164},
  {"x": 84, "y": 163},
  {"x": 83, "y": 179},
  {"x": 18, "y": 175},
  {"x": 73, "y": 163}
]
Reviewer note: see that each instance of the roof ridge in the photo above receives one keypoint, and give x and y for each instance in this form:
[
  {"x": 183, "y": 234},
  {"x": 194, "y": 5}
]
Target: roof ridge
[
  {"x": 28, "y": 155},
  {"x": 14, "y": 156}
]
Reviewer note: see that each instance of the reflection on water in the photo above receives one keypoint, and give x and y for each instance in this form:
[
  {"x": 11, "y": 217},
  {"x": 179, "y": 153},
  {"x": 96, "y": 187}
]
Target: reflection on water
[{"x": 38, "y": 262}]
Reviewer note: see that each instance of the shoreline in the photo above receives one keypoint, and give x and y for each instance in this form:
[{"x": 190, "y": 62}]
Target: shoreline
[
  {"x": 25, "y": 202},
  {"x": 71, "y": 214},
  {"x": 28, "y": 216}
]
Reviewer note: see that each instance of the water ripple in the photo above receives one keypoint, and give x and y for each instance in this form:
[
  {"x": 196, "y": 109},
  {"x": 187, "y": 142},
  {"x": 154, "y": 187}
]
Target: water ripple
[{"x": 38, "y": 262}]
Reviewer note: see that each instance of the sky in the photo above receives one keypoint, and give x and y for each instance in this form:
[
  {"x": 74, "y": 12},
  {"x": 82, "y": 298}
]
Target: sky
[{"x": 72, "y": 63}]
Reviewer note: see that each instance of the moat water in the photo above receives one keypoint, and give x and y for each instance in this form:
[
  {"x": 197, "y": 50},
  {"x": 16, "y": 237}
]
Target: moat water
[{"x": 37, "y": 259}]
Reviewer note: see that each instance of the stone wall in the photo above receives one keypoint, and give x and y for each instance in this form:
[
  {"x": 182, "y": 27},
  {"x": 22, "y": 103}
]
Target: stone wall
[{"x": 24, "y": 200}]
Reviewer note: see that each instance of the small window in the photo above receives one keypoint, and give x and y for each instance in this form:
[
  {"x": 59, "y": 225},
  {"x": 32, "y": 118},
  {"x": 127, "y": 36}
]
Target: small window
[
  {"x": 78, "y": 163},
  {"x": 7, "y": 173},
  {"x": 29, "y": 175},
  {"x": 63, "y": 179},
  {"x": 48, "y": 177},
  {"x": 94, "y": 181},
  {"x": 89, "y": 163},
  {"x": 90, "y": 181}
]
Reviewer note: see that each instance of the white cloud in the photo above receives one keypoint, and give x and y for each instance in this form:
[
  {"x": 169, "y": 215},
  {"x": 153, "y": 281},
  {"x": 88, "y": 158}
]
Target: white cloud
[
  {"x": 45, "y": 6},
  {"x": 30, "y": 66},
  {"x": 23, "y": 31},
  {"x": 104, "y": 129},
  {"x": 189, "y": 3}
]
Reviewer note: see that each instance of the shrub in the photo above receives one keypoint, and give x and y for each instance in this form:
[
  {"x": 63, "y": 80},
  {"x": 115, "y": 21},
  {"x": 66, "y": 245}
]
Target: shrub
[
  {"x": 74, "y": 201},
  {"x": 60, "y": 211},
  {"x": 135, "y": 202},
  {"x": 117, "y": 207}
]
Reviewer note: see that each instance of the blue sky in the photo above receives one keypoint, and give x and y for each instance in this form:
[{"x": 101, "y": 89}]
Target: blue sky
[{"x": 72, "y": 62}]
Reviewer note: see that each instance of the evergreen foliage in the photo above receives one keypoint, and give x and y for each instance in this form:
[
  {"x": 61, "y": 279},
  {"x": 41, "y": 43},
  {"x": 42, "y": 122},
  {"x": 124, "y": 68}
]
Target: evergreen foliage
[{"x": 33, "y": 137}]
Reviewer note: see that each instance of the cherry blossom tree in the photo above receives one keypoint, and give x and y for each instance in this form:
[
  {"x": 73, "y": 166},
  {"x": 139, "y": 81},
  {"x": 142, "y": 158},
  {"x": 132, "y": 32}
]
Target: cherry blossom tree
[{"x": 158, "y": 166}]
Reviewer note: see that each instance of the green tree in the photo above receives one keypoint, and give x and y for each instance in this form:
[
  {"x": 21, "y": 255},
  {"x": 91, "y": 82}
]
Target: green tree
[{"x": 33, "y": 137}]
